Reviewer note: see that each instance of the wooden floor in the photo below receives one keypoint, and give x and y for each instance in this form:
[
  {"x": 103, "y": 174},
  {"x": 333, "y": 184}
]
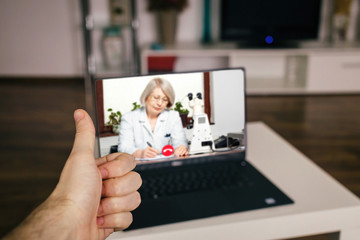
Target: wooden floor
[{"x": 37, "y": 131}]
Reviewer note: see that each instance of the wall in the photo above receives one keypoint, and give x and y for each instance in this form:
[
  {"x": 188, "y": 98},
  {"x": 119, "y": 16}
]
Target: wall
[
  {"x": 40, "y": 38},
  {"x": 227, "y": 106},
  {"x": 44, "y": 37}
]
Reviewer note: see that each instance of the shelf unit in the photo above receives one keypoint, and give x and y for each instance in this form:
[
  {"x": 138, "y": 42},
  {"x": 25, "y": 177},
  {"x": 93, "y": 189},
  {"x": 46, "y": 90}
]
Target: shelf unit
[
  {"x": 313, "y": 68},
  {"x": 94, "y": 64}
]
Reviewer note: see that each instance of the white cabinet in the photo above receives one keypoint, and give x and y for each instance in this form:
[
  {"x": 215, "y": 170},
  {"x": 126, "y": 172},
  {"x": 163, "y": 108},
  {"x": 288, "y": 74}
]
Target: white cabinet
[
  {"x": 325, "y": 70},
  {"x": 334, "y": 72},
  {"x": 272, "y": 71}
]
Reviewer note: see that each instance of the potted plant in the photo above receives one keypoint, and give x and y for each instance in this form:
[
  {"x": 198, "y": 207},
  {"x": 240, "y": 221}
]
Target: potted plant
[
  {"x": 114, "y": 120},
  {"x": 135, "y": 106},
  {"x": 166, "y": 12},
  {"x": 183, "y": 113}
]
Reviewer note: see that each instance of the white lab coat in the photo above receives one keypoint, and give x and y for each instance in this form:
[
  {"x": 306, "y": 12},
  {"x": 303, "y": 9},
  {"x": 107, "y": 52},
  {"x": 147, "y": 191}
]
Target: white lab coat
[{"x": 135, "y": 131}]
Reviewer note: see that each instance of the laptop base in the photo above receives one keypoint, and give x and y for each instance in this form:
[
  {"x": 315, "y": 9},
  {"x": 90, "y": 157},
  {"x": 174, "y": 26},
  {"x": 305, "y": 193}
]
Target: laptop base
[{"x": 201, "y": 204}]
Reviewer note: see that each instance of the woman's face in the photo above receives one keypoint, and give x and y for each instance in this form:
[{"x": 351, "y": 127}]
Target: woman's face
[{"x": 156, "y": 102}]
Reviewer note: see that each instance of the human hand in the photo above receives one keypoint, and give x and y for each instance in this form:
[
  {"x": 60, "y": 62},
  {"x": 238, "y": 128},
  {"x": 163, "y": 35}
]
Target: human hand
[
  {"x": 150, "y": 152},
  {"x": 75, "y": 210},
  {"x": 181, "y": 151},
  {"x": 118, "y": 191},
  {"x": 84, "y": 174}
]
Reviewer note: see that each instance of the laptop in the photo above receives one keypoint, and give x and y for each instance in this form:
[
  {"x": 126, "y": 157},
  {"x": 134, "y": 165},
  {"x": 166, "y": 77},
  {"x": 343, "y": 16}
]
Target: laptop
[{"x": 214, "y": 178}]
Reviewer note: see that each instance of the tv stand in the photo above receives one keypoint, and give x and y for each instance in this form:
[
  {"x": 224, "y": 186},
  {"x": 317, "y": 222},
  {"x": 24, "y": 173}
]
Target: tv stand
[
  {"x": 311, "y": 68},
  {"x": 264, "y": 45}
]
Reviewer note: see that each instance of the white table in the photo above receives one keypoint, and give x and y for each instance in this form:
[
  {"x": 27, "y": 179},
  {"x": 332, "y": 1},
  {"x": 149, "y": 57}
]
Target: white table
[{"x": 321, "y": 204}]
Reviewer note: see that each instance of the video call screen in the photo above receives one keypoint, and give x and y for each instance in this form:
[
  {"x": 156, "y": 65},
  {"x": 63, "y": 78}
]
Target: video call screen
[{"x": 133, "y": 113}]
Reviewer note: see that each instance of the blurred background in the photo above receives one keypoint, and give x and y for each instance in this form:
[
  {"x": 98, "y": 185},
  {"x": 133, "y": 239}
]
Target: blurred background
[{"x": 302, "y": 76}]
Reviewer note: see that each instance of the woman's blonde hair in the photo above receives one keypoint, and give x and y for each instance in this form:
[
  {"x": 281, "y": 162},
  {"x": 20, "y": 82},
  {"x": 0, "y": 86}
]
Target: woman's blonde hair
[{"x": 164, "y": 85}]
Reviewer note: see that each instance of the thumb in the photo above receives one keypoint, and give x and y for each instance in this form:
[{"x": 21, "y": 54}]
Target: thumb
[{"x": 85, "y": 133}]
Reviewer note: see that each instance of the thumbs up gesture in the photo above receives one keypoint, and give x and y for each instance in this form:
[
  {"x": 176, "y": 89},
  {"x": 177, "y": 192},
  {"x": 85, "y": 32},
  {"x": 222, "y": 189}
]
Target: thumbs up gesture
[{"x": 93, "y": 197}]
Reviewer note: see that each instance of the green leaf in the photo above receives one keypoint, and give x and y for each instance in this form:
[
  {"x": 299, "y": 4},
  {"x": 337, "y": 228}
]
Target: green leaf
[
  {"x": 179, "y": 107},
  {"x": 114, "y": 117}
]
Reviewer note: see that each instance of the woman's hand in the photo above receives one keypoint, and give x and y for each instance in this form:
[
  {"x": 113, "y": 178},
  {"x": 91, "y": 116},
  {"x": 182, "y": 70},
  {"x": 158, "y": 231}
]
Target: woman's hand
[
  {"x": 181, "y": 151},
  {"x": 148, "y": 152}
]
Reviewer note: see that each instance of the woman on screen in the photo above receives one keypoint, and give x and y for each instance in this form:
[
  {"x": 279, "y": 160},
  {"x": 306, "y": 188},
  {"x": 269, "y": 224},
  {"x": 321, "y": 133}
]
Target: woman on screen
[{"x": 145, "y": 131}]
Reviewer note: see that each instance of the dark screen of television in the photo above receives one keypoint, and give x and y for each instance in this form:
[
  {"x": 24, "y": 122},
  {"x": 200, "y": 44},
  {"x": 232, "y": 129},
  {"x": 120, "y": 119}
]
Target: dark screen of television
[{"x": 283, "y": 19}]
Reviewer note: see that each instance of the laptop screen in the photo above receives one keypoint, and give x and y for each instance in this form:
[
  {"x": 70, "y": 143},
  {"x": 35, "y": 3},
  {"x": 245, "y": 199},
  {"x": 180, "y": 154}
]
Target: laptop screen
[{"x": 174, "y": 116}]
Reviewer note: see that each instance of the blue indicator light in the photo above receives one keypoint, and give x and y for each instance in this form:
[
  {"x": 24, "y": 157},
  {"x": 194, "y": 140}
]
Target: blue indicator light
[{"x": 269, "y": 39}]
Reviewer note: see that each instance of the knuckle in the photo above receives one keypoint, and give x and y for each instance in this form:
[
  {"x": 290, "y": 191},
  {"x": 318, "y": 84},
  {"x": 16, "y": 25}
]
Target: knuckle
[
  {"x": 113, "y": 187},
  {"x": 127, "y": 162},
  {"x": 112, "y": 205},
  {"x": 120, "y": 186},
  {"x": 115, "y": 206},
  {"x": 113, "y": 183}
]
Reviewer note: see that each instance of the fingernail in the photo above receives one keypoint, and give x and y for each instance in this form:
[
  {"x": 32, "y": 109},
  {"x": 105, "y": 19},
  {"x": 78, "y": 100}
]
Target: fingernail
[
  {"x": 100, "y": 221},
  {"x": 78, "y": 115},
  {"x": 104, "y": 172}
]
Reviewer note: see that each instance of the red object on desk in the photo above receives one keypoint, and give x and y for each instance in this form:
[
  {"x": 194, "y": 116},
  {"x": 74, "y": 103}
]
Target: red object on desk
[{"x": 167, "y": 150}]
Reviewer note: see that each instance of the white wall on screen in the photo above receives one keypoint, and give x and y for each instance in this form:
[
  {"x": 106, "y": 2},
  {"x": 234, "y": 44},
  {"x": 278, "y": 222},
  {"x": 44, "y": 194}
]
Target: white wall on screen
[{"x": 227, "y": 103}]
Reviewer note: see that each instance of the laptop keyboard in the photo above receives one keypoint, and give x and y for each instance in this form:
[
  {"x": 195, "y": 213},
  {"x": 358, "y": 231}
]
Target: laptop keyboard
[{"x": 159, "y": 184}]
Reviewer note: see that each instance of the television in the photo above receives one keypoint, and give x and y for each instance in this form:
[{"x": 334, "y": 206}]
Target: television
[{"x": 269, "y": 23}]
